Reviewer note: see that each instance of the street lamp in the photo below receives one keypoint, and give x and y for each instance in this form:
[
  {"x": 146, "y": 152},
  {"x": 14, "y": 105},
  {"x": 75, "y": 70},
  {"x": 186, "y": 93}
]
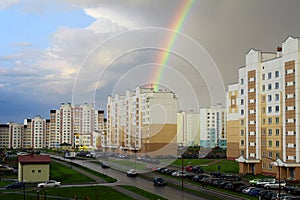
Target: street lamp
[{"x": 277, "y": 163}]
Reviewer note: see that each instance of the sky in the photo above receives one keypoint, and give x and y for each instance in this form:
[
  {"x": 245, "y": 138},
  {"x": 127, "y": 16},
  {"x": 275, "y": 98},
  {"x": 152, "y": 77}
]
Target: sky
[{"x": 83, "y": 51}]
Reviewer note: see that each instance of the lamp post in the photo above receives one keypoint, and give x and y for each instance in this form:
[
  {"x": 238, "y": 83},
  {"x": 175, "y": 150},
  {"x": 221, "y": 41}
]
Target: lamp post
[{"x": 276, "y": 163}]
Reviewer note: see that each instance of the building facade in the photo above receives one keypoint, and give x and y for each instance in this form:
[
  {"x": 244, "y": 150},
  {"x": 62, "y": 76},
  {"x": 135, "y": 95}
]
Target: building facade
[
  {"x": 75, "y": 125},
  {"x": 188, "y": 128},
  {"x": 213, "y": 127},
  {"x": 143, "y": 120},
  {"x": 263, "y": 112}
]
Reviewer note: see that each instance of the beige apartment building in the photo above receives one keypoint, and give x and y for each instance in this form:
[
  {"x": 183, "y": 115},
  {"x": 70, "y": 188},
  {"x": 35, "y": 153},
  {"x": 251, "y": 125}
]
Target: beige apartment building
[
  {"x": 263, "y": 112},
  {"x": 142, "y": 121}
]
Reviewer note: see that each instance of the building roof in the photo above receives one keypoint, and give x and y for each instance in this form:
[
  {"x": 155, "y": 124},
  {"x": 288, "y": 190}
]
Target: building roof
[{"x": 34, "y": 159}]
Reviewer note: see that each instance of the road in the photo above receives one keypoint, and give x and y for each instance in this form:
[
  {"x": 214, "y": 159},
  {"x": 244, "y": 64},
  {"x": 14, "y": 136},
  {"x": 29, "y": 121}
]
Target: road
[
  {"x": 147, "y": 185},
  {"x": 166, "y": 192}
]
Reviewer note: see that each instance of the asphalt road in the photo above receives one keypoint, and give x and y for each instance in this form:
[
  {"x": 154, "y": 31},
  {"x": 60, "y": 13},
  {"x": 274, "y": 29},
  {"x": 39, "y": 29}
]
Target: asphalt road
[{"x": 164, "y": 191}]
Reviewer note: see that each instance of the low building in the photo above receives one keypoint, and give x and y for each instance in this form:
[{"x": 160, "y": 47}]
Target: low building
[{"x": 33, "y": 168}]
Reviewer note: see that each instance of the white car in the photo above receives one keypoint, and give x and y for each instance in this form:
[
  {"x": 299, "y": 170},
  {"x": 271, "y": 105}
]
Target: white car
[
  {"x": 275, "y": 185},
  {"x": 50, "y": 183},
  {"x": 247, "y": 190},
  {"x": 131, "y": 172}
]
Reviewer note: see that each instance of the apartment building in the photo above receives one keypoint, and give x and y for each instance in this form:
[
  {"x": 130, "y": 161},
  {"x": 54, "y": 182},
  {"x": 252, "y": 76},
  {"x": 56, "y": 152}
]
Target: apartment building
[
  {"x": 263, "y": 112},
  {"x": 213, "y": 127},
  {"x": 144, "y": 121},
  {"x": 75, "y": 125},
  {"x": 36, "y": 133},
  {"x": 188, "y": 128}
]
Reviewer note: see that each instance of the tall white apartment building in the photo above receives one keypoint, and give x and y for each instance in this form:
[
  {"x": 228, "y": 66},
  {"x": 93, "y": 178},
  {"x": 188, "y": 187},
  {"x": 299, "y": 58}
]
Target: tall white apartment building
[
  {"x": 188, "y": 128},
  {"x": 263, "y": 112},
  {"x": 75, "y": 125},
  {"x": 143, "y": 120},
  {"x": 36, "y": 133},
  {"x": 15, "y": 135},
  {"x": 213, "y": 127}
]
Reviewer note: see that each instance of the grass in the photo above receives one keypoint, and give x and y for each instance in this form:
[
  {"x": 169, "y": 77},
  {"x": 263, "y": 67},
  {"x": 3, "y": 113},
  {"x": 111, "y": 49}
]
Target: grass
[
  {"x": 143, "y": 193},
  {"x": 66, "y": 175},
  {"x": 226, "y": 166},
  {"x": 193, "y": 162},
  {"x": 95, "y": 193},
  {"x": 5, "y": 183}
]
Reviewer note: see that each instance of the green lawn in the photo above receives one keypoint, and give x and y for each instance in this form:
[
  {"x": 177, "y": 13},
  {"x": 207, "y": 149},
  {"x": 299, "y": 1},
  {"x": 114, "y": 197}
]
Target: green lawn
[
  {"x": 226, "y": 166},
  {"x": 67, "y": 175},
  {"x": 95, "y": 193},
  {"x": 193, "y": 162}
]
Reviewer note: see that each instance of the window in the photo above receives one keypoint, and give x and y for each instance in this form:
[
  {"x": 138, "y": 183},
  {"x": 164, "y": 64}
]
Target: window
[
  {"x": 242, "y": 81},
  {"x": 270, "y": 143},
  {"x": 277, "y": 143},
  {"x": 263, "y": 131},
  {"x": 242, "y": 91},
  {"x": 242, "y": 142},
  {"x": 277, "y": 120},
  {"x": 276, "y": 85},
  {"x": 242, "y": 152},
  {"x": 269, "y": 86},
  {"x": 263, "y": 98},
  {"x": 263, "y": 77},
  {"x": 263, "y": 143},
  {"x": 269, "y": 131},
  {"x": 270, "y": 154},
  {"x": 277, "y": 131},
  {"x": 276, "y": 97},
  {"x": 276, "y": 74},
  {"x": 270, "y": 166},
  {"x": 242, "y": 122},
  {"x": 39, "y": 171},
  {"x": 33, "y": 171},
  {"x": 269, "y": 109},
  {"x": 269, "y": 97},
  {"x": 242, "y": 111},
  {"x": 269, "y": 120},
  {"x": 242, "y": 132},
  {"x": 263, "y": 88},
  {"x": 242, "y": 101},
  {"x": 269, "y": 75},
  {"x": 277, "y": 155},
  {"x": 277, "y": 109}
]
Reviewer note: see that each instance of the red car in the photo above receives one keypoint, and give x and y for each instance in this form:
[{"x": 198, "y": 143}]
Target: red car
[{"x": 189, "y": 168}]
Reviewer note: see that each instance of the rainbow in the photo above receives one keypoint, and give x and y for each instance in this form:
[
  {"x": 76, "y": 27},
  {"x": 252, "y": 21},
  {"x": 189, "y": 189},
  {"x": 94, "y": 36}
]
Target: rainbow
[{"x": 176, "y": 26}]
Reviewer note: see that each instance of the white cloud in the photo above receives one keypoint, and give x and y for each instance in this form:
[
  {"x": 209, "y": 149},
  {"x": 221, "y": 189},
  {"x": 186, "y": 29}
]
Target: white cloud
[{"x": 7, "y": 3}]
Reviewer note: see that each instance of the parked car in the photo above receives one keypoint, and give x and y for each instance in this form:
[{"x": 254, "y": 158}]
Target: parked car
[
  {"x": 234, "y": 185},
  {"x": 132, "y": 173},
  {"x": 216, "y": 174},
  {"x": 254, "y": 192},
  {"x": 275, "y": 185},
  {"x": 248, "y": 189},
  {"x": 241, "y": 188},
  {"x": 16, "y": 185},
  {"x": 159, "y": 181},
  {"x": 263, "y": 182},
  {"x": 189, "y": 168},
  {"x": 290, "y": 188},
  {"x": 50, "y": 183},
  {"x": 197, "y": 169},
  {"x": 253, "y": 182},
  {"x": 291, "y": 198},
  {"x": 232, "y": 177},
  {"x": 105, "y": 165}
]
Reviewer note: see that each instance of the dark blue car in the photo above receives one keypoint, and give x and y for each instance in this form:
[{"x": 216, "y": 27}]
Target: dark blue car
[
  {"x": 254, "y": 192},
  {"x": 16, "y": 185}
]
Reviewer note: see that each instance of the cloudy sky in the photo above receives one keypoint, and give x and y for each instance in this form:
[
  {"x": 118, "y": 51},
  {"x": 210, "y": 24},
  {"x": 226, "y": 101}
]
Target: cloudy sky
[{"x": 82, "y": 51}]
